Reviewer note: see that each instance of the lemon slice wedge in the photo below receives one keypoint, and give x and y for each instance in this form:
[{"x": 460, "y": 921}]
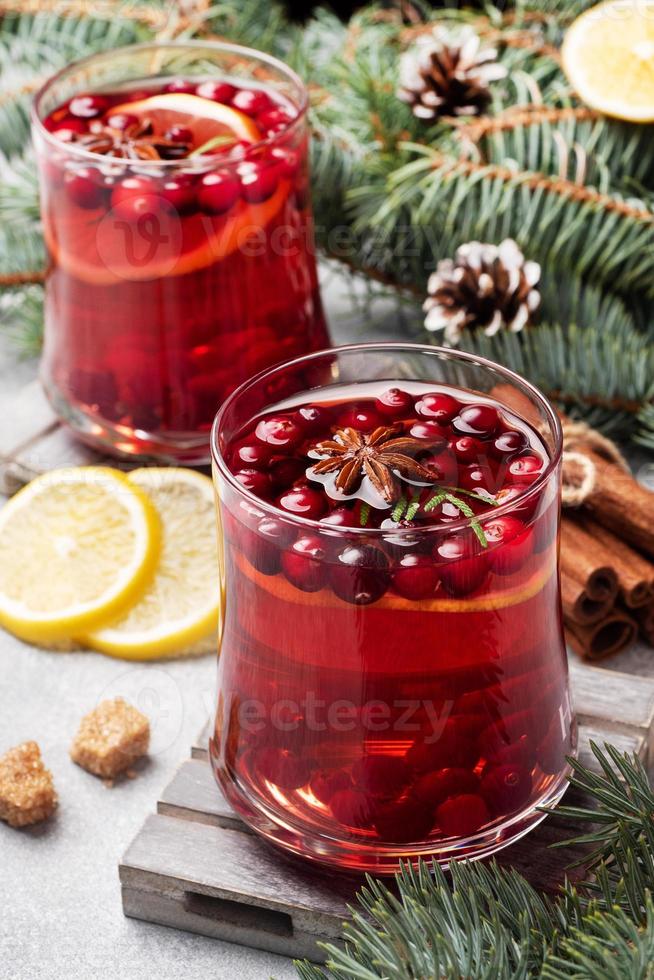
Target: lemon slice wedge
[
  {"x": 179, "y": 612},
  {"x": 608, "y": 56},
  {"x": 77, "y": 546}
]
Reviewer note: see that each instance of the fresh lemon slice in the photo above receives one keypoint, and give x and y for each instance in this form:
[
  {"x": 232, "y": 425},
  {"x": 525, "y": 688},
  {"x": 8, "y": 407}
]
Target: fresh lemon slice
[
  {"x": 179, "y": 612},
  {"x": 204, "y": 118},
  {"x": 76, "y": 547},
  {"x": 608, "y": 56}
]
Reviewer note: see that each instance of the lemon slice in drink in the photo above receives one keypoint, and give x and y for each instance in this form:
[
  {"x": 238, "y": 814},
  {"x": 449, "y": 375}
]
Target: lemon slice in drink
[
  {"x": 76, "y": 547},
  {"x": 204, "y": 118},
  {"x": 179, "y": 612},
  {"x": 608, "y": 56}
]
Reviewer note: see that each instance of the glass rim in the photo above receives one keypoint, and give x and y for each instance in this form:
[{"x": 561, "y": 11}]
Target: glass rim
[
  {"x": 224, "y": 160},
  {"x": 376, "y": 533}
]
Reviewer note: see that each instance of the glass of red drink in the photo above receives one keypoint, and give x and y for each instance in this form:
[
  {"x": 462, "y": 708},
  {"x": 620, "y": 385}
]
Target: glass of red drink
[
  {"x": 392, "y": 671},
  {"x": 175, "y": 207}
]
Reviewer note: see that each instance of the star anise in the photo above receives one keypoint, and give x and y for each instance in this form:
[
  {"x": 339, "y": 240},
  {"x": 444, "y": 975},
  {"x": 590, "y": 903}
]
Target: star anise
[
  {"x": 136, "y": 141},
  {"x": 353, "y": 455}
]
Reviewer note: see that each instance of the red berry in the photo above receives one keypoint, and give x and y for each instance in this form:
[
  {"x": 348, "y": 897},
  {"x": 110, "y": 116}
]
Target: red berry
[
  {"x": 326, "y": 782},
  {"x": 250, "y": 454},
  {"x": 304, "y": 502},
  {"x": 68, "y": 131},
  {"x": 394, "y": 403},
  {"x": 273, "y": 120},
  {"x": 505, "y": 788},
  {"x": 178, "y": 191},
  {"x": 88, "y": 106},
  {"x": 416, "y": 577},
  {"x": 438, "y": 406},
  {"x": 314, "y": 418},
  {"x": 282, "y": 767},
  {"x": 286, "y": 470},
  {"x": 518, "y": 753},
  {"x": 477, "y": 420},
  {"x": 360, "y": 417},
  {"x": 477, "y": 477},
  {"x": 360, "y": 574},
  {"x": 510, "y": 543},
  {"x": 259, "y": 180},
  {"x": 404, "y": 822},
  {"x": 353, "y": 808},
  {"x": 340, "y": 517},
  {"x": 135, "y": 196},
  {"x": 251, "y": 101},
  {"x": 85, "y": 187},
  {"x": 509, "y": 442},
  {"x": 179, "y": 134},
  {"x": 434, "y": 788},
  {"x": 216, "y": 91},
  {"x": 463, "y": 815},
  {"x": 280, "y": 431},
  {"x": 525, "y": 469},
  {"x": 255, "y": 481},
  {"x": 121, "y": 120},
  {"x": 180, "y": 85},
  {"x": 218, "y": 192},
  {"x": 467, "y": 449},
  {"x": 452, "y": 748},
  {"x": 303, "y": 564},
  {"x": 444, "y": 465},
  {"x": 264, "y": 545},
  {"x": 461, "y": 570},
  {"x": 287, "y": 160},
  {"x": 383, "y": 776},
  {"x": 525, "y": 508},
  {"x": 431, "y": 431}
]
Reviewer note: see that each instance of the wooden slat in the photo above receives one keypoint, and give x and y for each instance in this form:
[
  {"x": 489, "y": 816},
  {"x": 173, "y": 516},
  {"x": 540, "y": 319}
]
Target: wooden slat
[
  {"x": 619, "y": 703},
  {"x": 193, "y": 794}
]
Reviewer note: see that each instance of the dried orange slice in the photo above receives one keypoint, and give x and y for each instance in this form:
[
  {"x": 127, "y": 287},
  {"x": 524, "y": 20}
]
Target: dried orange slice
[{"x": 608, "y": 56}]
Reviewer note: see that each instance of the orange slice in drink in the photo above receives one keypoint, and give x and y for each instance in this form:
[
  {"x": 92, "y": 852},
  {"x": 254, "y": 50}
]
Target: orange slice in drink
[{"x": 204, "y": 118}]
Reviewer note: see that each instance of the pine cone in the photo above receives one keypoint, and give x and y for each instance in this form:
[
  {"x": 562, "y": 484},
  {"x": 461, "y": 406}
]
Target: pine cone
[
  {"x": 487, "y": 287},
  {"x": 448, "y": 74}
]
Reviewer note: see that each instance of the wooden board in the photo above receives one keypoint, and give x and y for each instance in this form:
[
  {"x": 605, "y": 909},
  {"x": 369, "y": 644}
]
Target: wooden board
[{"x": 195, "y": 865}]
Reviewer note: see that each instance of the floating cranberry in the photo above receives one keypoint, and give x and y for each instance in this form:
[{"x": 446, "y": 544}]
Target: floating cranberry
[
  {"x": 251, "y": 101},
  {"x": 134, "y": 197},
  {"x": 403, "y": 822},
  {"x": 383, "y": 776},
  {"x": 525, "y": 469},
  {"x": 467, "y": 449},
  {"x": 280, "y": 431},
  {"x": 463, "y": 815},
  {"x": 303, "y": 564},
  {"x": 314, "y": 419},
  {"x": 88, "y": 106},
  {"x": 477, "y": 477},
  {"x": 179, "y": 192},
  {"x": 121, "y": 120},
  {"x": 216, "y": 91},
  {"x": 444, "y": 465},
  {"x": 416, "y": 576},
  {"x": 509, "y": 442},
  {"x": 249, "y": 454},
  {"x": 477, "y": 420},
  {"x": 218, "y": 191},
  {"x": 304, "y": 501},
  {"x": 518, "y": 753},
  {"x": 400, "y": 541},
  {"x": 264, "y": 546},
  {"x": 69, "y": 130},
  {"x": 287, "y": 160},
  {"x": 434, "y": 788},
  {"x": 340, "y": 517},
  {"x": 394, "y": 403},
  {"x": 505, "y": 788},
  {"x": 179, "y": 134},
  {"x": 255, "y": 481},
  {"x": 460, "y": 569},
  {"x": 510, "y": 543},
  {"x": 526, "y": 508},
  {"x": 85, "y": 187},
  {"x": 273, "y": 120},
  {"x": 286, "y": 470},
  {"x": 259, "y": 180},
  {"x": 452, "y": 748},
  {"x": 360, "y": 417},
  {"x": 353, "y": 808},
  {"x": 429, "y": 431},
  {"x": 283, "y": 768},
  {"x": 360, "y": 575},
  {"x": 325, "y": 783},
  {"x": 182, "y": 85},
  {"x": 438, "y": 406}
]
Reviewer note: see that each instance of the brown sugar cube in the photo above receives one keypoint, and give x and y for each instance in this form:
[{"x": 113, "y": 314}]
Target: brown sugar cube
[
  {"x": 27, "y": 793},
  {"x": 111, "y": 738}
]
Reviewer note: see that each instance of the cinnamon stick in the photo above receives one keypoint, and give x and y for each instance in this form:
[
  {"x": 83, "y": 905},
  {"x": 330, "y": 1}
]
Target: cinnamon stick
[
  {"x": 645, "y": 618},
  {"x": 578, "y": 607},
  {"x": 619, "y": 503},
  {"x": 635, "y": 574},
  {"x": 602, "y": 639},
  {"x": 585, "y": 561}
]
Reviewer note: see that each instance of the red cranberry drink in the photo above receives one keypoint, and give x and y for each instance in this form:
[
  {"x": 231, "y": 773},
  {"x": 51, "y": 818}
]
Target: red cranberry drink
[
  {"x": 393, "y": 680},
  {"x": 176, "y": 214}
]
